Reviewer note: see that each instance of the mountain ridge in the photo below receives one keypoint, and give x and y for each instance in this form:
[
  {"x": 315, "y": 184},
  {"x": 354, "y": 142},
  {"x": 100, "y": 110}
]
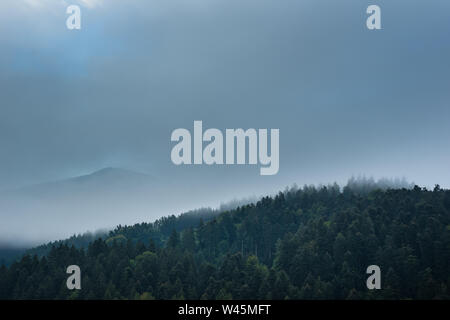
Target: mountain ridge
[
  {"x": 108, "y": 173},
  {"x": 307, "y": 243}
]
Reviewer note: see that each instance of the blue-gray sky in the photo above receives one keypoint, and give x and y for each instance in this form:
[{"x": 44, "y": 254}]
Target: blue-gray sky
[{"x": 347, "y": 100}]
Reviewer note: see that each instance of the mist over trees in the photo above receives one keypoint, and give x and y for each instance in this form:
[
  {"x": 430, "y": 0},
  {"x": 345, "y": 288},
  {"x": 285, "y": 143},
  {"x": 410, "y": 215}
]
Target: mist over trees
[
  {"x": 159, "y": 230},
  {"x": 303, "y": 243},
  {"x": 363, "y": 184}
]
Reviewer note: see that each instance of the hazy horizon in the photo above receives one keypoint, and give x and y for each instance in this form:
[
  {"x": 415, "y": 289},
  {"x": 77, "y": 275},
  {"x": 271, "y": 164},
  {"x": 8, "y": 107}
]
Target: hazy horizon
[{"x": 113, "y": 192}]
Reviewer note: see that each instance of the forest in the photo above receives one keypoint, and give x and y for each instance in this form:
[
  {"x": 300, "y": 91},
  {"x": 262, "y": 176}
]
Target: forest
[{"x": 303, "y": 243}]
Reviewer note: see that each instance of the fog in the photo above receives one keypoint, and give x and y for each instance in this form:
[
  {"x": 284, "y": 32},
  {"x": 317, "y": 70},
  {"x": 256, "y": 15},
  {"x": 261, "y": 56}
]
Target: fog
[{"x": 347, "y": 101}]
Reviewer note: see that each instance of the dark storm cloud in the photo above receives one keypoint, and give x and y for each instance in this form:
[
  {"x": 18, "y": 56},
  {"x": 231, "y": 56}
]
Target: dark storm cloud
[
  {"x": 114, "y": 90},
  {"x": 346, "y": 100}
]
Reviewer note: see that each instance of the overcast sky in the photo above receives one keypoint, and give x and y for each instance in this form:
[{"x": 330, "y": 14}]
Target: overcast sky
[{"x": 347, "y": 100}]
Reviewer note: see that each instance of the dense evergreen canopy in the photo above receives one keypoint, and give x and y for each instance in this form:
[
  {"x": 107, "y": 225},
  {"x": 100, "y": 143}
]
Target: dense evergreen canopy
[{"x": 309, "y": 243}]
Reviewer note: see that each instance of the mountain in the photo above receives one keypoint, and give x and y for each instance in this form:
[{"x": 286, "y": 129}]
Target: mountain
[
  {"x": 309, "y": 243},
  {"x": 106, "y": 185},
  {"x": 105, "y": 180},
  {"x": 102, "y": 199}
]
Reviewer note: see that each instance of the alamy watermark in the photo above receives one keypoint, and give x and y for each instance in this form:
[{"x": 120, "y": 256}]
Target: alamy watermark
[
  {"x": 234, "y": 149},
  {"x": 74, "y": 280},
  {"x": 374, "y": 20},
  {"x": 374, "y": 281},
  {"x": 73, "y": 22}
]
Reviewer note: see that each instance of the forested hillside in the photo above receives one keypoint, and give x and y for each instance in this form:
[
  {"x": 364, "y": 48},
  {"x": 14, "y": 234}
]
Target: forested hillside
[
  {"x": 309, "y": 243},
  {"x": 159, "y": 230},
  {"x": 10, "y": 254}
]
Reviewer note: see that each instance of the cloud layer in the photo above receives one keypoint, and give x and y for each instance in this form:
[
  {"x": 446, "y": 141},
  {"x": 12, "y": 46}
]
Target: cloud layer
[{"x": 346, "y": 100}]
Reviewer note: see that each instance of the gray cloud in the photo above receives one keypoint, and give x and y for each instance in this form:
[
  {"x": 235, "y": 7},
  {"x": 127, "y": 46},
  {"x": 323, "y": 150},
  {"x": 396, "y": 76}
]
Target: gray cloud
[{"x": 346, "y": 100}]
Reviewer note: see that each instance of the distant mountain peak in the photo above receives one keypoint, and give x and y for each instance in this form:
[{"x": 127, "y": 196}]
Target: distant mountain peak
[
  {"x": 113, "y": 171},
  {"x": 103, "y": 179},
  {"x": 108, "y": 169},
  {"x": 112, "y": 174}
]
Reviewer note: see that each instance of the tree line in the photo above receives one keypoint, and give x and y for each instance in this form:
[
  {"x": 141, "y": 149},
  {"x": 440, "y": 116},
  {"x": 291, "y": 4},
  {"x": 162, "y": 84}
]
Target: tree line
[{"x": 303, "y": 243}]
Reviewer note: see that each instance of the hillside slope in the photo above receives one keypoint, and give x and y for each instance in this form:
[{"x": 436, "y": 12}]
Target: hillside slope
[{"x": 310, "y": 243}]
